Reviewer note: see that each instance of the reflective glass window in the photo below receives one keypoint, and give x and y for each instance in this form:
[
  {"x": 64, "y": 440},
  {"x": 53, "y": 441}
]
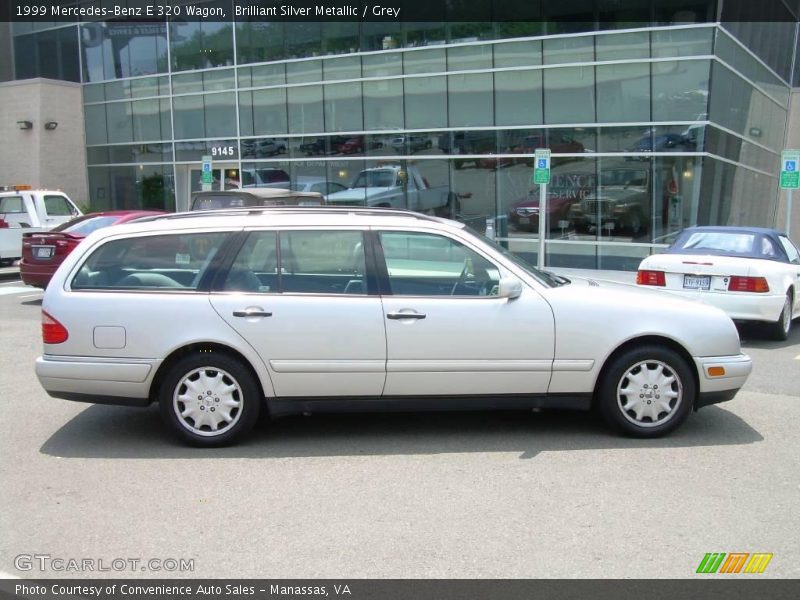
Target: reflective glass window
[
  {"x": 568, "y": 50},
  {"x": 95, "y": 118},
  {"x": 464, "y": 58},
  {"x": 680, "y": 90},
  {"x": 518, "y": 54},
  {"x": 623, "y": 93},
  {"x": 304, "y": 71},
  {"x": 424, "y": 61},
  {"x": 425, "y": 102},
  {"x": 518, "y": 97},
  {"x": 569, "y": 95},
  {"x": 622, "y": 46},
  {"x": 120, "y": 122},
  {"x": 383, "y": 104},
  {"x": 343, "y": 110},
  {"x": 258, "y": 41},
  {"x": 470, "y": 100},
  {"x": 305, "y": 109}
]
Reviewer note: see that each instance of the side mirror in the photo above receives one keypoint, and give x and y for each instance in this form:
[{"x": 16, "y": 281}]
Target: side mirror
[{"x": 509, "y": 287}]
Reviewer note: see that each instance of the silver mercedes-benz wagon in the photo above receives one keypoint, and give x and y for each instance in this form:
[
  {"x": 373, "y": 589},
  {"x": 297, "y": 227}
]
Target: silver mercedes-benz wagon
[{"x": 220, "y": 315}]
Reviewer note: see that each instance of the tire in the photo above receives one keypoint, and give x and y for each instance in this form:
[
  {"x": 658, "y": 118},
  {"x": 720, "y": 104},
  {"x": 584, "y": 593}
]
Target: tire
[
  {"x": 779, "y": 330},
  {"x": 451, "y": 209},
  {"x": 223, "y": 373},
  {"x": 636, "y": 223},
  {"x": 666, "y": 370}
]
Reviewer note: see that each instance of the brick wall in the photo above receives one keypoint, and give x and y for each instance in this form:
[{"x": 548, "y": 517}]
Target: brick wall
[{"x": 54, "y": 159}]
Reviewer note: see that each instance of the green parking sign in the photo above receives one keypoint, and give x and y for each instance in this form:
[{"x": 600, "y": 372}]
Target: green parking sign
[
  {"x": 790, "y": 169},
  {"x": 541, "y": 166}
]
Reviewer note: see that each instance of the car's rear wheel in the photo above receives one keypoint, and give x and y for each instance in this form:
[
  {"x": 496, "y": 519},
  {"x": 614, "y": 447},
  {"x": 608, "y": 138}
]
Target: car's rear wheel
[
  {"x": 779, "y": 330},
  {"x": 646, "y": 392},
  {"x": 209, "y": 399}
]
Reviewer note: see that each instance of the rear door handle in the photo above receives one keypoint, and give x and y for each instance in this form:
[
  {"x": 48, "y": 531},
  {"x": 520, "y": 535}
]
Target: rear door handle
[
  {"x": 252, "y": 312},
  {"x": 405, "y": 315}
]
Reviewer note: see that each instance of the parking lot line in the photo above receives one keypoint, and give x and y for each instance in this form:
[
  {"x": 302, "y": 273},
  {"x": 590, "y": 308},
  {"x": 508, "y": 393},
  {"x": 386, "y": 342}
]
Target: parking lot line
[
  {"x": 13, "y": 290},
  {"x": 31, "y": 296}
]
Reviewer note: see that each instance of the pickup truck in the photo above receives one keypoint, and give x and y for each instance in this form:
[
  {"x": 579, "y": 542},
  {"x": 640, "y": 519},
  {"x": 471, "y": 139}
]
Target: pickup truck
[
  {"x": 26, "y": 210},
  {"x": 395, "y": 186}
]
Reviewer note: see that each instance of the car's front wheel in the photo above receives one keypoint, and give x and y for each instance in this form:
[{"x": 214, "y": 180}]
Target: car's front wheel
[
  {"x": 209, "y": 399},
  {"x": 646, "y": 392}
]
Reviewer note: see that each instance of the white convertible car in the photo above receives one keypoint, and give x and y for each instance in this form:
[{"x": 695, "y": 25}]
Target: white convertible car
[
  {"x": 218, "y": 315},
  {"x": 752, "y": 274}
]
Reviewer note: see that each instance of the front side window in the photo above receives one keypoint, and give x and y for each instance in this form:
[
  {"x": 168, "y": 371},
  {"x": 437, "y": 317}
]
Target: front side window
[
  {"x": 310, "y": 262},
  {"x": 57, "y": 206},
  {"x": 174, "y": 261},
  {"x": 791, "y": 251},
  {"x": 422, "y": 264}
]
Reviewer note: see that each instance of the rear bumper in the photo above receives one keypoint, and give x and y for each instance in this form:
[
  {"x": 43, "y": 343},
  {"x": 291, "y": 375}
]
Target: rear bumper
[
  {"x": 99, "y": 380},
  {"x": 739, "y": 306},
  {"x": 36, "y": 275},
  {"x": 736, "y": 370}
]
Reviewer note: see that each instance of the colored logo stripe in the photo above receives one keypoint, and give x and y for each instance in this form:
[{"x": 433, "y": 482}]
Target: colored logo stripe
[
  {"x": 758, "y": 562},
  {"x": 711, "y": 562},
  {"x": 734, "y": 562}
]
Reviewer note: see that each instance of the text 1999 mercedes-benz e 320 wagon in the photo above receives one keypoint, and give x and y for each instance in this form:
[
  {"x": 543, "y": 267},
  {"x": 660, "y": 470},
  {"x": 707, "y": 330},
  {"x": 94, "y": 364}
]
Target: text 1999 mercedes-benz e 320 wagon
[{"x": 220, "y": 315}]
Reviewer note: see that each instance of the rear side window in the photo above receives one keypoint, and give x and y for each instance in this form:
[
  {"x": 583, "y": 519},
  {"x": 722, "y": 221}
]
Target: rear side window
[
  {"x": 311, "y": 262},
  {"x": 174, "y": 261}
]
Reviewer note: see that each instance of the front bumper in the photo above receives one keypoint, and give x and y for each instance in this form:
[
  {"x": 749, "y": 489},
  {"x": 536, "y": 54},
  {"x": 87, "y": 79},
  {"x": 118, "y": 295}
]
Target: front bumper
[
  {"x": 99, "y": 380},
  {"x": 715, "y": 388}
]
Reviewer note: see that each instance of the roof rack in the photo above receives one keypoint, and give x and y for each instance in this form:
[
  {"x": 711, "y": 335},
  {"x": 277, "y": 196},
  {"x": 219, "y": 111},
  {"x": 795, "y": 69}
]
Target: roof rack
[{"x": 260, "y": 210}]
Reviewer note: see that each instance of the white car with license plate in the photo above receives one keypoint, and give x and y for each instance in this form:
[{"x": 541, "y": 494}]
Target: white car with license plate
[
  {"x": 220, "y": 315},
  {"x": 753, "y": 274}
]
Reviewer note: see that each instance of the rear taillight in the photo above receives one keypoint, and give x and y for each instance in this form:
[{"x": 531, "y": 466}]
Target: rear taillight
[
  {"x": 64, "y": 247},
  {"x": 748, "y": 284},
  {"x": 651, "y": 278},
  {"x": 53, "y": 332},
  {"x": 3, "y": 224}
]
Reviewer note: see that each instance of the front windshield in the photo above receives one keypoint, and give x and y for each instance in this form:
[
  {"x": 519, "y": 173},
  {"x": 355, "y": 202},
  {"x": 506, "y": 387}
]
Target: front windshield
[
  {"x": 543, "y": 277},
  {"x": 374, "y": 179}
]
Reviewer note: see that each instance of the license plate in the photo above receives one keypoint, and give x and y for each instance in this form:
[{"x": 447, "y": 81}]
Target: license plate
[
  {"x": 43, "y": 251},
  {"x": 524, "y": 220},
  {"x": 697, "y": 282}
]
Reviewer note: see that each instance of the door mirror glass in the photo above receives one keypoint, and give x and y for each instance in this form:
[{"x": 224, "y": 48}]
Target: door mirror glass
[{"x": 509, "y": 287}]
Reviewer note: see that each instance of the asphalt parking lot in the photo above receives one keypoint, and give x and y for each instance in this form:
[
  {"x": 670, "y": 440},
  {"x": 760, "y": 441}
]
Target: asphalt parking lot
[{"x": 505, "y": 495}]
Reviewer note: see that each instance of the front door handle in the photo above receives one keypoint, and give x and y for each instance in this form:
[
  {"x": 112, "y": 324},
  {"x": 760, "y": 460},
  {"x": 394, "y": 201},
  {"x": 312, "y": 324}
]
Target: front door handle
[
  {"x": 405, "y": 315},
  {"x": 252, "y": 312}
]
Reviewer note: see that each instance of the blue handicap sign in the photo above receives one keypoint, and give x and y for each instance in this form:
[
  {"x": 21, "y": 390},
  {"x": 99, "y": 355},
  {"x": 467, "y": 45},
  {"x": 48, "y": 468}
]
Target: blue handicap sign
[
  {"x": 542, "y": 163},
  {"x": 790, "y": 165},
  {"x": 206, "y": 167}
]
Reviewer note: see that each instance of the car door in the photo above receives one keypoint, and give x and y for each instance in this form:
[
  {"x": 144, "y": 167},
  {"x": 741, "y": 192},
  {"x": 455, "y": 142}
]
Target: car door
[
  {"x": 794, "y": 265},
  {"x": 300, "y": 298},
  {"x": 57, "y": 209},
  {"x": 448, "y": 333}
]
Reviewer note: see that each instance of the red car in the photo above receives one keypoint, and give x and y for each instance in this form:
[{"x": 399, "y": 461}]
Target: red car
[
  {"x": 43, "y": 252},
  {"x": 565, "y": 189}
]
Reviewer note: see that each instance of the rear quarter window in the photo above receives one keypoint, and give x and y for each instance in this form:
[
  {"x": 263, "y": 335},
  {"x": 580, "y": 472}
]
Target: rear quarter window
[
  {"x": 174, "y": 261},
  {"x": 12, "y": 204}
]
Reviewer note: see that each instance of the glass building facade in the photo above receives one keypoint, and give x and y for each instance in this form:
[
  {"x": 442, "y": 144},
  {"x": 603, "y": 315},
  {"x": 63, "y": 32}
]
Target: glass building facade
[{"x": 659, "y": 114}]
